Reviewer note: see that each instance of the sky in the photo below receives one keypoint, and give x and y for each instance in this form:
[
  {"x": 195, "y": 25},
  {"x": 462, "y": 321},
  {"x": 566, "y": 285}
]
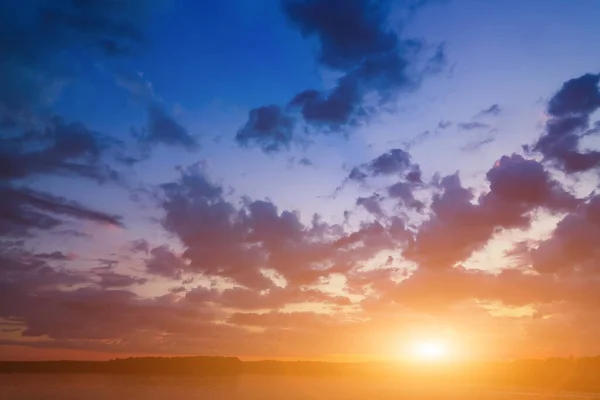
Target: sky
[{"x": 304, "y": 179}]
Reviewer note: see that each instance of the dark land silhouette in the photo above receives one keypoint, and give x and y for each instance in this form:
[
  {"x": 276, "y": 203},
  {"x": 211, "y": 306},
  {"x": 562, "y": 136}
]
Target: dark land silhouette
[{"x": 556, "y": 374}]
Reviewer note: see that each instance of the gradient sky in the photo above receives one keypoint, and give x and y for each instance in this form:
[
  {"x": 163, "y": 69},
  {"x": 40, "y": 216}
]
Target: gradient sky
[{"x": 299, "y": 178}]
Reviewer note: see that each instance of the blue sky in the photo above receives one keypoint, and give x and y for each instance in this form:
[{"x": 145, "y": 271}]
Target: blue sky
[
  {"x": 480, "y": 88},
  {"x": 210, "y": 75}
]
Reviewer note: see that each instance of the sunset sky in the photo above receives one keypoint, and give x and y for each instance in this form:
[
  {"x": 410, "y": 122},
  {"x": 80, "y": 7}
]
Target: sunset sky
[{"x": 304, "y": 179}]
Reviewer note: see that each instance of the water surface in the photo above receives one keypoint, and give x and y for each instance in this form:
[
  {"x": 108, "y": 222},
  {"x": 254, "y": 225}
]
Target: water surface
[{"x": 246, "y": 387}]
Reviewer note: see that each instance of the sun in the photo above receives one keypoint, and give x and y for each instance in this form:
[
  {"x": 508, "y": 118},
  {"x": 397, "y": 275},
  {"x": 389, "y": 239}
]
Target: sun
[{"x": 429, "y": 350}]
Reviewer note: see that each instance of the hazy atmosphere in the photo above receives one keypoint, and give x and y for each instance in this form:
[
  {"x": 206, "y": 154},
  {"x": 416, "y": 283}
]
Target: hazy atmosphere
[{"x": 299, "y": 179}]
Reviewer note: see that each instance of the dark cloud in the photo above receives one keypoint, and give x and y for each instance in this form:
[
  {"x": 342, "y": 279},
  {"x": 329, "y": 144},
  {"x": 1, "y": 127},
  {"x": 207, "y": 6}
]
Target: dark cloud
[
  {"x": 576, "y": 96},
  {"x": 277, "y": 259},
  {"x": 460, "y": 224},
  {"x": 22, "y": 272},
  {"x": 60, "y": 148},
  {"x": 493, "y": 110},
  {"x": 236, "y": 242},
  {"x": 32, "y": 299},
  {"x": 414, "y": 176},
  {"x": 471, "y": 126},
  {"x": 391, "y": 163},
  {"x": 164, "y": 262},
  {"x": 56, "y": 256},
  {"x": 395, "y": 163},
  {"x": 32, "y": 295},
  {"x": 269, "y": 128},
  {"x": 24, "y": 210},
  {"x": 347, "y": 37},
  {"x": 357, "y": 175},
  {"x": 447, "y": 237},
  {"x": 306, "y": 162},
  {"x": 111, "y": 279},
  {"x": 211, "y": 229},
  {"x": 50, "y": 42},
  {"x": 403, "y": 193},
  {"x": 575, "y": 243},
  {"x": 73, "y": 233},
  {"x": 90, "y": 313},
  {"x": 569, "y": 110},
  {"x": 519, "y": 185},
  {"x": 355, "y": 40},
  {"x": 372, "y": 204},
  {"x": 140, "y": 245},
  {"x": 162, "y": 128}
]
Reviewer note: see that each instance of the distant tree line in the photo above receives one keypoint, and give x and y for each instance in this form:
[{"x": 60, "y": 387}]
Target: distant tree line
[{"x": 551, "y": 374}]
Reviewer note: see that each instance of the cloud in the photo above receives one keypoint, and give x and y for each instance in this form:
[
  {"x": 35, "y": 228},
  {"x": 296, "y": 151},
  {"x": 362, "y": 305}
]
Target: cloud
[
  {"x": 459, "y": 224},
  {"x": 359, "y": 44},
  {"x": 24, "y": 210},
  {"x": 106, "y": 314},
  {"x": 273, "y": 258},
  {"x": 471, "y": 126},
  {"x": 306, "y": 162},
  {"x": 569, "y": 110},
  {"x": 346, "y": 38},
  {"x": 32, "y": 295},
  {"x": 574, "y": 244},
  {"x": 162, "y": 128},
  {"x": 296, "y": 320},
  {"x": 274, "y": 298},
  {"x": 164, "y": 262},
  {"x": 210, "y": 228},
  {"x": 112, "y": 279},
  {"x": 73, "y": 233},
  {"x": 140, "y": 245},
  {"x": 397, "y": 164},
  {"x": 403, "y": 192},
  {"x": 23, "y": 273},
  {"x": 576, "y": 96},
  {"x": 494, "y": 110},
  {"x": 372, "y": 205},
  {"x": 525, "y": 183},
  {"x": 269, "y": 128},
  {"x": 56, "y": 256},
  {"x": 107, "y": 317},
  {"x": 50, "y": 42},
  {"x": 60, "y": 148},
  {"x": 391, "y": 163},
  {"x": 439, "y": 291},
  {"x": 237, "y": 241}
]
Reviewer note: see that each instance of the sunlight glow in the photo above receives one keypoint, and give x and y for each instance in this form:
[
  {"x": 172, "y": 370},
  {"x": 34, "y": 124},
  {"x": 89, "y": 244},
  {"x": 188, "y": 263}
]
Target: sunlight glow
[{"x": 429, "y": 350}]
